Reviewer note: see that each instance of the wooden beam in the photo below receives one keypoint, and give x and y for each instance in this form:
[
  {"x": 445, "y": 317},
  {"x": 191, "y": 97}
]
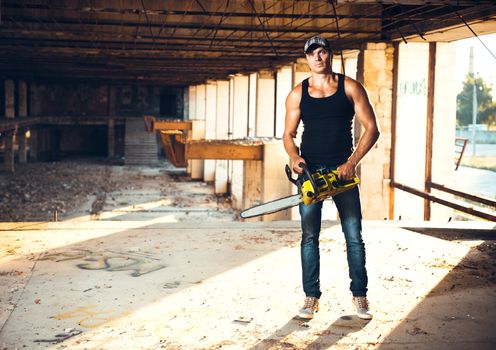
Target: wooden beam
[
  {"x": 429, "y": 134},
  {"x": 460, "y": 207},
  {"x": 173, "y": 143},
  {"x": 159, "y": 125},
  {"x": 207, "y": 149},
  {"x": 394, "y": 116}
]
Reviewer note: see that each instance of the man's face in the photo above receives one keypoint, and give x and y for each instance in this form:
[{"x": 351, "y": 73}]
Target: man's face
[{"x": 318, "y": 59}]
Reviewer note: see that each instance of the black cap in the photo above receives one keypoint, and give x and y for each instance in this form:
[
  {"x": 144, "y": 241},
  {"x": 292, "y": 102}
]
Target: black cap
[{"x": 316, "y": 41}]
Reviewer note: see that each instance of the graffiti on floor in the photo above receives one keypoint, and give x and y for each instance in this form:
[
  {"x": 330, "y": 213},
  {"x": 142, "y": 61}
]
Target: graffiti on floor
[
  {"x": 139, "y": 263},
  {"x": 60, "y": 337},
  {"x": 89, "y": 316}
]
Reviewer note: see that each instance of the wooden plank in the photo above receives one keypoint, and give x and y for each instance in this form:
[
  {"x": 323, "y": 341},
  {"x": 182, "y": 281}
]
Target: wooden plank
[
  {"x": 394, "y": 117},
  {"x": 172, "y": 125},
  {"x": 231, "y": 151},
  {"x": 461, "y": 207},
  {"x": 174, "y": 148},
  {"x": 429, "y": 133},
  {"x": 149, "y": 122}
]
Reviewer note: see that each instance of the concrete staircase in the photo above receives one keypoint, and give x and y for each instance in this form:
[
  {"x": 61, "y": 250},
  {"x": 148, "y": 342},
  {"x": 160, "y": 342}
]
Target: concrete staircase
[{"x": 141, "y": 147}]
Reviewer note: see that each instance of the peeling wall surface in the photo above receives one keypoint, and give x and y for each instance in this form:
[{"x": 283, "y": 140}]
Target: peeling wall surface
[
  {"x": 81, "y": 99},
  {"x": 2, "y": 101},
  {"x": 68, "y": 99}
]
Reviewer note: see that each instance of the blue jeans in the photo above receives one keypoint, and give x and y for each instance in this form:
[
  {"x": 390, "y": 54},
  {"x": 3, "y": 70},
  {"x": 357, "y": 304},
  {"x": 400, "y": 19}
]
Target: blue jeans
[{"x": 350, "y": 213}]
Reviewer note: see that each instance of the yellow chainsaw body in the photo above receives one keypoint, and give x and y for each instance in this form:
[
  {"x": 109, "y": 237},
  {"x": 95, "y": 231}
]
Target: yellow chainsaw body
[{"x": 327, "y": 184}]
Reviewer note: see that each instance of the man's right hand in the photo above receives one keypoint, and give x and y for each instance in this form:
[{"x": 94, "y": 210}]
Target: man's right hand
[{"x": 295, "y": 164}]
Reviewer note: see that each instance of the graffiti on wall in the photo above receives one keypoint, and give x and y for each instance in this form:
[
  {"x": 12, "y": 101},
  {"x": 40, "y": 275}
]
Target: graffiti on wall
[
  {"x": 413, "y": 87},
  {"x": 139, "y": 263}
]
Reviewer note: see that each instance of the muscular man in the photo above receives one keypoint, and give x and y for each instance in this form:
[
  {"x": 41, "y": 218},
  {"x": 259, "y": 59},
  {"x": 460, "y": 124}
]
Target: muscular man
[{"x": 327, "y": 103}]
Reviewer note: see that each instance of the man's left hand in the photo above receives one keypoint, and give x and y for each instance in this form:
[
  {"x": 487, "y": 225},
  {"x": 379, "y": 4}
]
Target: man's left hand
[{"x": 346, "y": 171}]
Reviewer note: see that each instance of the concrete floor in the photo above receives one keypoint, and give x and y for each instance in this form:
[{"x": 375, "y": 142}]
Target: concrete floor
[{"x": 165, "y": 266}]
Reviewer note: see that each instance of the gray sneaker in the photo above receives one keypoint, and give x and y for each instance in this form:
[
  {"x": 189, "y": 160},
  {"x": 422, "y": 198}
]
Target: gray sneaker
[
  {"x": 362, "y": 307},
  {"x": 310, "y": 307}
]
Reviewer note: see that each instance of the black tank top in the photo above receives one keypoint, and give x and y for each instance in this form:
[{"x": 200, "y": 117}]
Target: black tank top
[{"x": 327, "y": 126}]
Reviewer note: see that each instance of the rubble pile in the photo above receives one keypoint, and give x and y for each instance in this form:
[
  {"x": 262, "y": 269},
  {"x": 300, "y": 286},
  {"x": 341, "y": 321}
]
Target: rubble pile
[{"x": 36, "y": 191}]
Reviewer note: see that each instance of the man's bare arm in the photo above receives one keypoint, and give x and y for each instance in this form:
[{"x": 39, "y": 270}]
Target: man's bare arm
[
  {"x": 365, "y": 114},
  {"x": 291, "y": 123}
]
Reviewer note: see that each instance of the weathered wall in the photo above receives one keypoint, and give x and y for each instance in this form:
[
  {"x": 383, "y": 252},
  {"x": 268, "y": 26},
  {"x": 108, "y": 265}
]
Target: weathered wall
[
  {"x": 81, "y": 99},
  {"x": 69, "y": 99},
  {"x": 411, "y": 128},
  {"x": 2, "y": 100},
  {"x": 375, "y": 71}
]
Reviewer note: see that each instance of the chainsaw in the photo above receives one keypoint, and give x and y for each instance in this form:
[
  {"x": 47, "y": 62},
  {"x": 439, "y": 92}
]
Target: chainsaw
[{"x": 313, "y": 188}]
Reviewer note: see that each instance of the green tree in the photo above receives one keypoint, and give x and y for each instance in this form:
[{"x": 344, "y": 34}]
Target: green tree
[{"x": 486, "y": 107}]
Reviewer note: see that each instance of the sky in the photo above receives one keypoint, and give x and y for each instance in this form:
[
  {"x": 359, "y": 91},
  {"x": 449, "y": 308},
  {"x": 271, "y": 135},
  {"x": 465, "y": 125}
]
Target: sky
[{"x": 484, "y": 62}]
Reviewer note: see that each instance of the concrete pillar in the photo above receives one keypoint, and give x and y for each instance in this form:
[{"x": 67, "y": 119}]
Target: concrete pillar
[
  {"x": 266, "y": 180},
  {"x": 198, "y": 131},
  {"x": 210, "y": 126},
  {"x": 375, "y": 71},
  {"x": 9, "y": 99},
  {"x": 111, "y": 138},
  {"x": 239, "y": 130},
  {"x": 301, "y": 71},
  {"x": 351, "y": 65},
  {"x": 191, "y": 102},
  {"x": 23, "y": 112},
  {"x": 444, "y": 128},
  {"x": 112, "y": 111},
  {"x": 9, "y": 137},
  {"x": 33, "y": 111},
  {"x": 23, "y": 99},
  {"x": 186, "y": 103},
  {"x": 284, "y": 85},
  {"x": 409, "y": 163},
  {"x": 222, "y": 133},
  {"x": 252, "y": 103},
  {"x": 112, "y": 101},
  {"x": 252, "y": 184},
  {"x": 201, "y": 95},
  {"x": 265, "y": 104}
]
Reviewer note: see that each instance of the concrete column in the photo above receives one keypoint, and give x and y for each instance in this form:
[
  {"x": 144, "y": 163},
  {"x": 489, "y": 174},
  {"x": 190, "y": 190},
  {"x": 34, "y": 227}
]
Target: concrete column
[
  {"x": 9, "y": 99},
  {"x": 239, "y": 130},
  {"x": 252, "y": 103},
  {"x": 23, "y": 99},
  {"x": 112, "y": 111},
  {"x": 112, "y": 101},
  {"x": 198, "y": 132},
  {"x": 284, "y": 84},
  {"x": 411, "y": 121},
  {"x": 186, "y": 103},
  {"x": 375, "y": 71},
  {"x": 191, "y": 102},
  {"x": 444, "y": 128},
  {"x": 252, "y": 184},
  {"x": 301, "y": 71},
  {"x": 9, "y": 137},
  {"x": 222, "y": 133},
  {"x": 201, "y": 96},
  {"x": 23, "y": 112},
  {"x": 266, "y": 180},
  {"x": 210, "y": 126},
  {"x": 265, "y": 104},
  {"x": 111, "y": 138}
]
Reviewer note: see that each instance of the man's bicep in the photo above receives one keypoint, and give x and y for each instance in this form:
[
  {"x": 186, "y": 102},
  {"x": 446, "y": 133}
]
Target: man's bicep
[
  {"x": 292, "y": 114},
  {"x": 363, "y": 108}
]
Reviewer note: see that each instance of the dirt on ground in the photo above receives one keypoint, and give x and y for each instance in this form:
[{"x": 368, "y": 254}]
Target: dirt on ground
[{"x": 39, "y": 191}]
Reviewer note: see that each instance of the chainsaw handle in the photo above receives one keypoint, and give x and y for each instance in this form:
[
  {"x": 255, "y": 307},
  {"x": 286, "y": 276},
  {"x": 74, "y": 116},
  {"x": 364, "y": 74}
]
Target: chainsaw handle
[
  {"x": 289, "y": 175},
  {"x": 310, "y": 178}
]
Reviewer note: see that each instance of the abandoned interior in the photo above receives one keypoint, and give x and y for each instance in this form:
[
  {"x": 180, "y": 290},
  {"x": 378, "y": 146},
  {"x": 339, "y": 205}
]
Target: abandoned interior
[{"x": 137, "y": 130}]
